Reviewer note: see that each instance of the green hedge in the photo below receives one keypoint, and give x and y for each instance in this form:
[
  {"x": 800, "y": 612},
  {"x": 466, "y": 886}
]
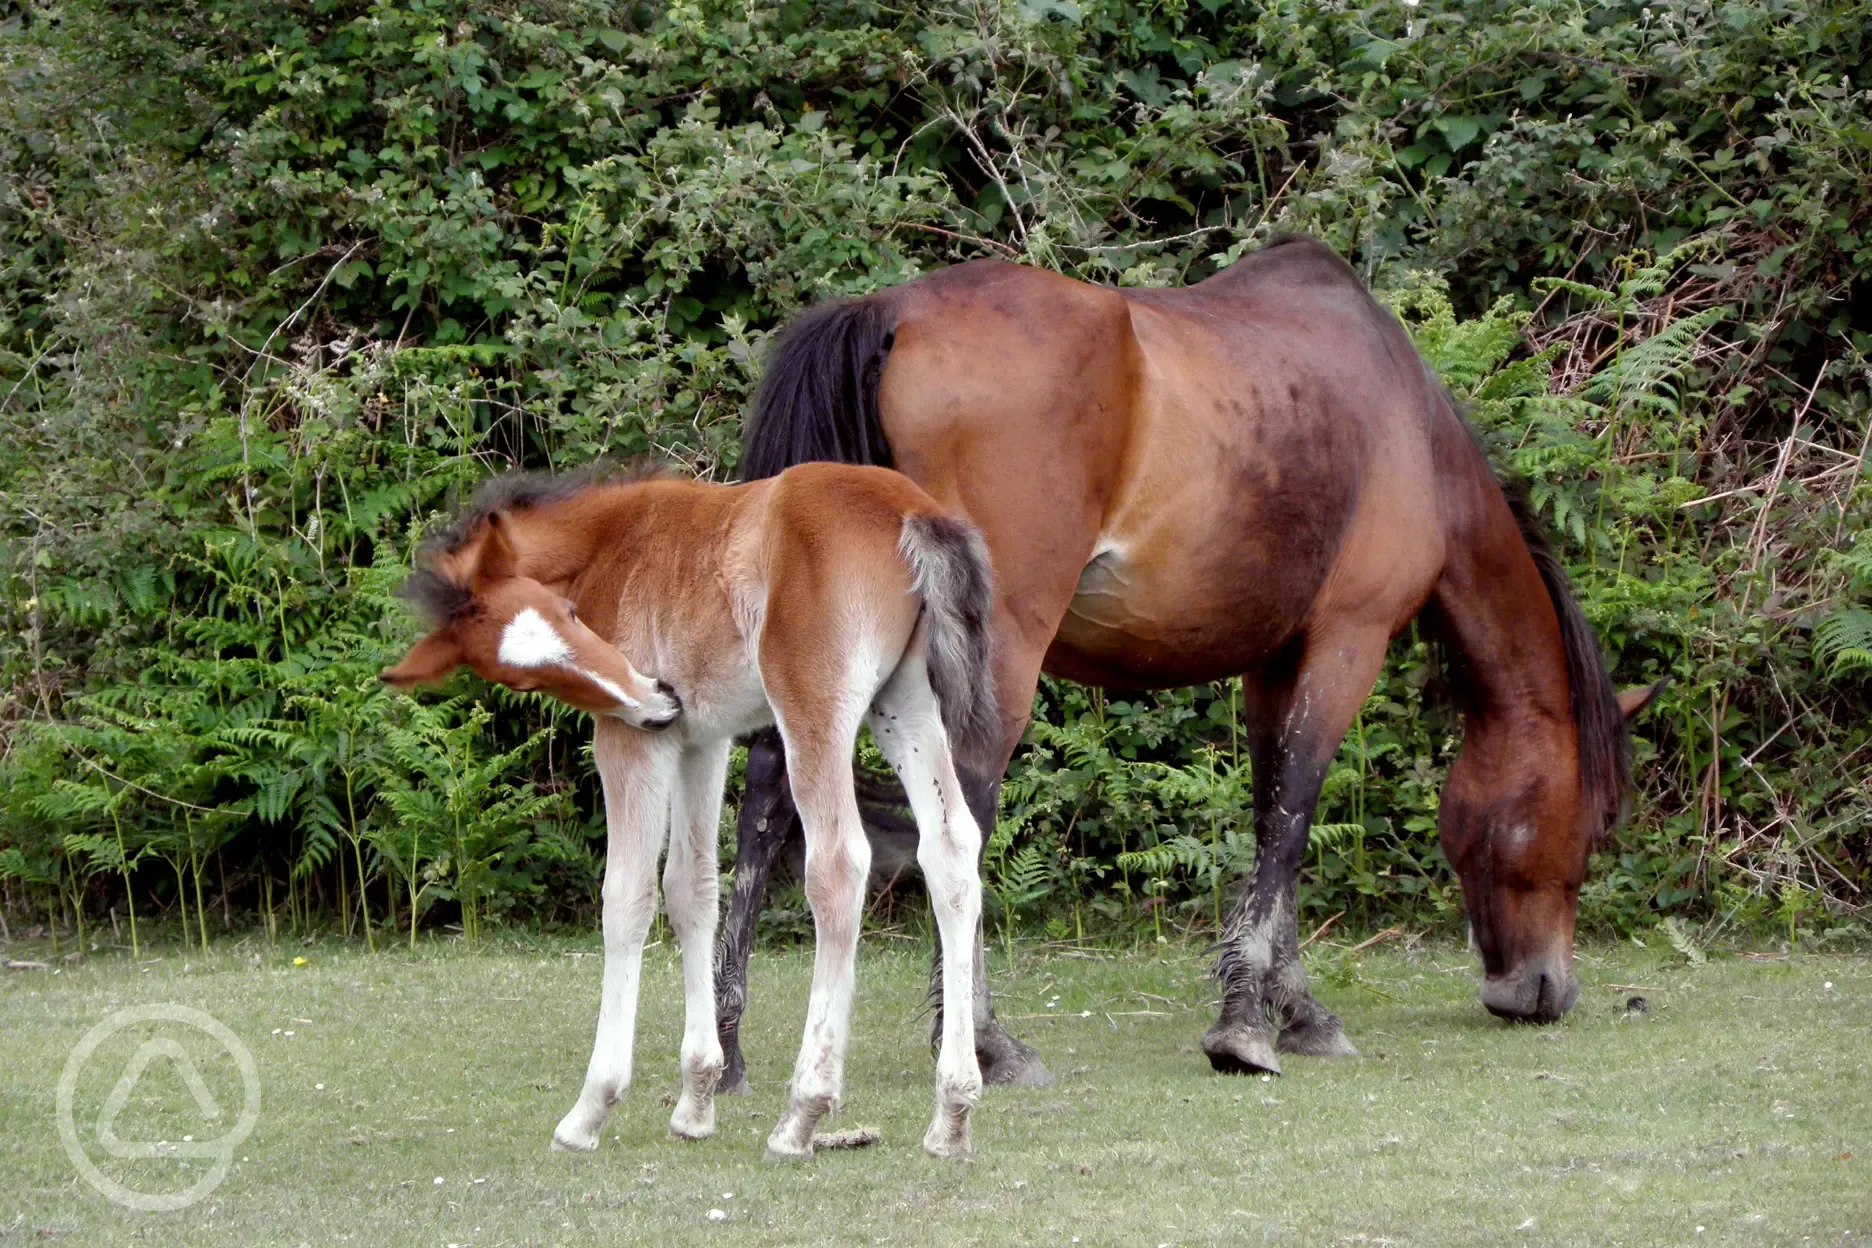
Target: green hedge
[{"x": 279, "y": 279}]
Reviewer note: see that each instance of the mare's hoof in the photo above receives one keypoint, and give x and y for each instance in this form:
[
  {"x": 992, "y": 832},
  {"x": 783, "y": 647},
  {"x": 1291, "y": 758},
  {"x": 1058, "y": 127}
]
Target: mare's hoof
[
  {"x": 1238, "y": 1050},
  {"x": 1321, "y": 1039},
  {"x": 1008, "y": 1061}
]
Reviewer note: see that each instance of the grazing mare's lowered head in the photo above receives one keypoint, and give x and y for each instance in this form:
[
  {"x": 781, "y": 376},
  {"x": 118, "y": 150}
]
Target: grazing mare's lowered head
[
  {"x": 1528, "y": 800},
  {"x": 515, "y": 631}
]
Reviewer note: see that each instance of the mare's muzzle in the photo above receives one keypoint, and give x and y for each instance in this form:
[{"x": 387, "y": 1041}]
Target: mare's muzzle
[{"x": 1538, "y": 991}]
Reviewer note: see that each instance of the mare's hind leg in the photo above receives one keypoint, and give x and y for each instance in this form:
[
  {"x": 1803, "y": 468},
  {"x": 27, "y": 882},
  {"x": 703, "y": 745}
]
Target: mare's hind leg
[
  {"x": 907, "y": 724},
  {"x": 1298, "y": 718},
  {"x": 766, "y": 820}
]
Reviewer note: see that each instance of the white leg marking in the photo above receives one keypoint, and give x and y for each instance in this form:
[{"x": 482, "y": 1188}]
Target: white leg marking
[
  {"x": 908, "y": 727},
  {"x": 838, "y": 859},
  {"x": 691, "y": 895},
  {"x": 637, "y": 771}
]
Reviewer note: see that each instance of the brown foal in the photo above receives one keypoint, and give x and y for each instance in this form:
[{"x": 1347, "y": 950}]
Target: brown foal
[
  {"x": 824, "y": 598},
  {"x": 1256, "y": 475}
]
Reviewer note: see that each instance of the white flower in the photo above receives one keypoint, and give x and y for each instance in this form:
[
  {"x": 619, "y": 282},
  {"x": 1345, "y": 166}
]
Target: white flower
[{"x": 716, "y": 1215}]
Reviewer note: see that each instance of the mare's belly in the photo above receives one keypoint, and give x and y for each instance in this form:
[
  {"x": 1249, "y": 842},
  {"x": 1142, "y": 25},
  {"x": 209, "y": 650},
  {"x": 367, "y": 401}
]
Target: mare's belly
[{"x": 1170, "y": 609}]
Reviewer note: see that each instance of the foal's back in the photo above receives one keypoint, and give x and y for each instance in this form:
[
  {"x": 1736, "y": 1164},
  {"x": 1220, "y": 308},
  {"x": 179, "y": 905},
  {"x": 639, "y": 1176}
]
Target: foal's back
[{"x": 732, "y": 592}]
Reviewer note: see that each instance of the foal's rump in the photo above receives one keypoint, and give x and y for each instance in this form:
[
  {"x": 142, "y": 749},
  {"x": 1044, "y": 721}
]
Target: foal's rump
[{"x": 868, "y": 548}]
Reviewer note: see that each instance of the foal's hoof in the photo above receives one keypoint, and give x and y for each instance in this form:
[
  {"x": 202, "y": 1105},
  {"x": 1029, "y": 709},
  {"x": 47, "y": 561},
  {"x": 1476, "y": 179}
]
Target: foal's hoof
[
  {"x": 779, "y": 1150},
  {"x": 944, "y": 1142},
  {"x": 1325, "y": 1038},
  {"x": 692, "y": 1123},
  {"x": 792, "y": 1137},
  {"x": 566, "y": 1142},
  {"x": 735, "y": 1084},
  {"x": 1005, "y": 1060},
  {"x": 1238, "y": 1050}
]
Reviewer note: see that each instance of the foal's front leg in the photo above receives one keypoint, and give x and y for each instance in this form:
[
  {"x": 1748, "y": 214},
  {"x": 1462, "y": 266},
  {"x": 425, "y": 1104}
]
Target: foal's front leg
[
  {"x": 636, "y": 770},
  {"x": 838, "y": 860},
  {"x": 691, "y": 893}
]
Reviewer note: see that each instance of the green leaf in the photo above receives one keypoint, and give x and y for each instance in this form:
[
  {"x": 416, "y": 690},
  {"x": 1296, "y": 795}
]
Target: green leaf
[{"x": 1458, "y": 132}]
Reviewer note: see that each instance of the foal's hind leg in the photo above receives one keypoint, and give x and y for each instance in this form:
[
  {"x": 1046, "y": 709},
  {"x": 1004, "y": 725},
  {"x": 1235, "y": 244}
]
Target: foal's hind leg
[
  {"x": 838, "y": 860},
  {"x": 1299, "y": 718},
  {"x": 1004, "y": 1057},
  {"x": 907, "y": 725}
]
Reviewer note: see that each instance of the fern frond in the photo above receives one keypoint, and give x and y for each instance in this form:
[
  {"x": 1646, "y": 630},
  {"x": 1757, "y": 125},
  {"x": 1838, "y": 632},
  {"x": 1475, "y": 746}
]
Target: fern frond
[
  {"x": 1681, "y": 940},
  {"x": 1842, "y": 643},
  {"x": 1334, "y": 836}
]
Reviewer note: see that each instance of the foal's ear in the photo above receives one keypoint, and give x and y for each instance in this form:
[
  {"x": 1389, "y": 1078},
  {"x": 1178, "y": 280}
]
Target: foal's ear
[
  {"x": 1631, "y": 701},
  {"x": 498, "y": 560},
  {"x": 429, "y": 662}
]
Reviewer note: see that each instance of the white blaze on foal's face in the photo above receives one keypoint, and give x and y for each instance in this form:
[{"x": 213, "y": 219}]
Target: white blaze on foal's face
[
  {"x": 530, "y": 641},
  {"x": 521, "y": 634}
]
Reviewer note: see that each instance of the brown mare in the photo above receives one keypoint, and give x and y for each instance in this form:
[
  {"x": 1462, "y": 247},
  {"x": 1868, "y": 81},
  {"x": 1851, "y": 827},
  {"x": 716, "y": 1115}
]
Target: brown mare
[
  {"x": 820, "y": 599},
  {"x": 1256, "y": 475}
]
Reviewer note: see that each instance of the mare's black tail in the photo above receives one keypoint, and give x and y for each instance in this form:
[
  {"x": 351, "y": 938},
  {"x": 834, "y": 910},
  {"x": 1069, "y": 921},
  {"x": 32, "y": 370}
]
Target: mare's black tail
[{"x": 819, "y": 398}]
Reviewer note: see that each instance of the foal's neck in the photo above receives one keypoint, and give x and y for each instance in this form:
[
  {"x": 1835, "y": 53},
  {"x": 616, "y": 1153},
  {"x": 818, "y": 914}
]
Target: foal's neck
[{"x": 591, "y": 545}]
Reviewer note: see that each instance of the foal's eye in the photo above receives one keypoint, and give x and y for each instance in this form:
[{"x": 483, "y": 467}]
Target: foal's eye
[{"x": 571, "y": 610}]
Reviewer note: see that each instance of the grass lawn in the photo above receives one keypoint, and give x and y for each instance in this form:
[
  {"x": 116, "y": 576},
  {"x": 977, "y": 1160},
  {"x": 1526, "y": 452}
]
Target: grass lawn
[{"x": 410, "y": 1103}]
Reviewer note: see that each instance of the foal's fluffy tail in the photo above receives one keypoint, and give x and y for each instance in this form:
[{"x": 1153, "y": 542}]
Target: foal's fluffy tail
[{"x": 950, "y": 571}]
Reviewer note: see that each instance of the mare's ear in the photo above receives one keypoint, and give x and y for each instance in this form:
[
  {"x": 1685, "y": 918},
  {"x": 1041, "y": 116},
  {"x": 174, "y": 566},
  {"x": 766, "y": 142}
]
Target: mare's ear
[
  {"x": 498, "y": 560},
  {"x": 1631, "y": 701},
  {"x": 429, "y": 662}
]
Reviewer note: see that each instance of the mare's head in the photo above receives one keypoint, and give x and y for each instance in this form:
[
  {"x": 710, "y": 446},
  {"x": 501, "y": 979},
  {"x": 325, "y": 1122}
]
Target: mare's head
[
  {"x": 1522, "y": 852},
  {"x": 1539, "y": 783},
  {"x": 511, "y": 629}
]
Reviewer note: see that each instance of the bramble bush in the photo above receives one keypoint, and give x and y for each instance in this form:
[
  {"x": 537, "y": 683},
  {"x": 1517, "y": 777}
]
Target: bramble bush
[{"x": 280, "y": 281}]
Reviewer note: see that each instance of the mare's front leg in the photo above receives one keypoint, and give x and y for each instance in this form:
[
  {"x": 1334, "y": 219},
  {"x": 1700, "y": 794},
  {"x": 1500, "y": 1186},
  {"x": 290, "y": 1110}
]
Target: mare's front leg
[
  {"x": 636, "y": 770},
  {"x": 767, "y": 818},
  {"x": 838, "y": 860},
  {"x": 691, "y": 893},
  {"x": 1298, "y": 718}
]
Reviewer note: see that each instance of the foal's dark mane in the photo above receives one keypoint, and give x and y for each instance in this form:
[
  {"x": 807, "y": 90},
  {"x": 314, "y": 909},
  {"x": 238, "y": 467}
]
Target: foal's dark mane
[{"x": 440, "y": 600}]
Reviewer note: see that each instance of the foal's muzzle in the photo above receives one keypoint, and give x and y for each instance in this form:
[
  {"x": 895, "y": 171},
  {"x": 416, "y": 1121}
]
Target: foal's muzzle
[{"x": 657, "y": 723}]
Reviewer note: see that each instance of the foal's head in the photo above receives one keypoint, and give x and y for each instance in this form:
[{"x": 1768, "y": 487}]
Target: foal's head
[{"x": 513, "y": 630}]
